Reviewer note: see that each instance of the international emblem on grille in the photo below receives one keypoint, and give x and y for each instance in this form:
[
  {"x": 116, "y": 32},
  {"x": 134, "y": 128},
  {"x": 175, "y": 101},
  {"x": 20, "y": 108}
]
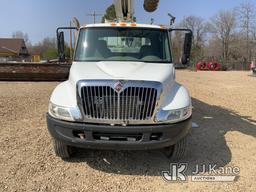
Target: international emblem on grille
[{"x": 118, "y": 86}]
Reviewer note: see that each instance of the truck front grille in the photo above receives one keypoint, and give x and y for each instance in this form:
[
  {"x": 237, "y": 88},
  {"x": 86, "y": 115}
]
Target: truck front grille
[{"x": 104, "y": 103}]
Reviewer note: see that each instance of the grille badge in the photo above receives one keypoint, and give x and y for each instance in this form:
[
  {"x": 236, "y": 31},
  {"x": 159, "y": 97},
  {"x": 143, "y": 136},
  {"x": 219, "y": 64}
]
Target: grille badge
[{"x": 118, "y": 86}]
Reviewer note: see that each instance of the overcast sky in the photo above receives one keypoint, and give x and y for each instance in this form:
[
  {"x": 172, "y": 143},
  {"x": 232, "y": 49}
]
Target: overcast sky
[{"x": 40, "y": 18}]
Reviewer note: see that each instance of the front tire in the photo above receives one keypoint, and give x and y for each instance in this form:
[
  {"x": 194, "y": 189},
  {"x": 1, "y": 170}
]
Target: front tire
[
  {"x": 177, "y": 151},
  {"x": 61, "y": 149}
]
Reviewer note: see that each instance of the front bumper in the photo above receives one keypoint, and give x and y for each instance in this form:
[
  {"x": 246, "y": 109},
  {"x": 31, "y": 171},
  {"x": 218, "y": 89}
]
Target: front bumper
[{"x": 118, "y": 137}]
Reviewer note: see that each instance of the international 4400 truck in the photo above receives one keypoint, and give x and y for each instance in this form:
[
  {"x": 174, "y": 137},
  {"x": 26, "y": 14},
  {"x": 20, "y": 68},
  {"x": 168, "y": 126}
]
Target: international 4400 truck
[{"x": 121, "y": 93}]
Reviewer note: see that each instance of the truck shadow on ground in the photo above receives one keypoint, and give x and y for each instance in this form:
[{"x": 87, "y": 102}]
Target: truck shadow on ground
[{"x": 207, "y": 145}]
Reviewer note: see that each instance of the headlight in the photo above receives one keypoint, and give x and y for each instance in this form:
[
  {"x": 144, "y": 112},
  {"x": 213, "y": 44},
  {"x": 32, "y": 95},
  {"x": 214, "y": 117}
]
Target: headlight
[
  {"x": 174, "y": 116},
  {"x": 64, "y": 113}
]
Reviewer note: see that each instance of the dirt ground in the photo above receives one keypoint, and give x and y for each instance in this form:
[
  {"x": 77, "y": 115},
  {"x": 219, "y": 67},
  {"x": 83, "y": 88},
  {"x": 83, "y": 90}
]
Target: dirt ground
[{"x": 224, "y": 107}]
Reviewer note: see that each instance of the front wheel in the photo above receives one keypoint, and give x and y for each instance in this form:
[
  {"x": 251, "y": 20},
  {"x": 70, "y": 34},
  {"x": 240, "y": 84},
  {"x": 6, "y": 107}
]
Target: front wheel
[
  {"x": 61, "y": 149},
  {"x": 177, "y": 151}
]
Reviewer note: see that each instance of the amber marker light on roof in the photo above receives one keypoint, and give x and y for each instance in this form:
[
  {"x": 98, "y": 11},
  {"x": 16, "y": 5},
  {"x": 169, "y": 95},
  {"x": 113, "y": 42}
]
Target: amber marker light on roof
[
  {"x": 123, "y": 24},
  {"x": 162, "y": 26}
]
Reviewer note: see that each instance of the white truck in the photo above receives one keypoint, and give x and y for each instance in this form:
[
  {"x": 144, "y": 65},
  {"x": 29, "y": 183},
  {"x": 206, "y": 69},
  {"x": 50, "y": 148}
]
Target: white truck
[{"x": 121, "y": 93}]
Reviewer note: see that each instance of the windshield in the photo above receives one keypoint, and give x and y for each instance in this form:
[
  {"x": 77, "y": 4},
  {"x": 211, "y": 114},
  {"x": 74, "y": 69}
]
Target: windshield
[{"x": 123, "y": 44}]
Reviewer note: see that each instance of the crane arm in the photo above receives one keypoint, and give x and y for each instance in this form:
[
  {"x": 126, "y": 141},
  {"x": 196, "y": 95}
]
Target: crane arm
[{"x": 125, "y": 8}]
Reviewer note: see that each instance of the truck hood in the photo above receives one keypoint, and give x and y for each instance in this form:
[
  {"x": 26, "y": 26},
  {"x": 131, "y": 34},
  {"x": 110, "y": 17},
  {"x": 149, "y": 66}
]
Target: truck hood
[
  {"x": 116, "y": 70},
  {"x": 174, "y": 96}
]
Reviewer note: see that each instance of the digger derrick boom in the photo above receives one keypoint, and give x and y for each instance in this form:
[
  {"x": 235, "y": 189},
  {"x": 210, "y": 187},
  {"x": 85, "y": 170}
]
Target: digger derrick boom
[{"x": 125, "y": 8}]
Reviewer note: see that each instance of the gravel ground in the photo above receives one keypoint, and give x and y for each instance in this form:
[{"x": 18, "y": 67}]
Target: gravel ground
[{"x": 224, "y": 107}]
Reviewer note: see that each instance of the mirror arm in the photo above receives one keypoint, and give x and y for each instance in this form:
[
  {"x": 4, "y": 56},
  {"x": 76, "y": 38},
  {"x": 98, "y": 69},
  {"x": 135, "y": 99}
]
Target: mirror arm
[
  {"x": 65, "y": 28},
  {"x": 180, "y": 29}
]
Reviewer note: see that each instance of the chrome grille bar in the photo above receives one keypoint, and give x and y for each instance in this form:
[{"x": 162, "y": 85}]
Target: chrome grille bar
[{"x": 101, "y": 102}]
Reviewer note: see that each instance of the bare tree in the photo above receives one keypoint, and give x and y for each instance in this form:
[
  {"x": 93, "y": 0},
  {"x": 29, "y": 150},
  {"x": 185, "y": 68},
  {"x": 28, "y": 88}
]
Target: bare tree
[
  {"x": 47, "y": 48},
  {"x": 48, "y": 43},
  {"x": 246, "y": 16},
  {"x": 223, "y": 27},
  {"x": 21, "y": 35},
  {"x": 198, "y": 26}
]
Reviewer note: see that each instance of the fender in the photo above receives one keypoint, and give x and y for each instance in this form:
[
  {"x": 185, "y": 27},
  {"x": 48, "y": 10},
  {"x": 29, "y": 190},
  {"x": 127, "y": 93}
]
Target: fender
[
  {"x": 177, "y": 98},
  {"x": 63, "y": 95}
]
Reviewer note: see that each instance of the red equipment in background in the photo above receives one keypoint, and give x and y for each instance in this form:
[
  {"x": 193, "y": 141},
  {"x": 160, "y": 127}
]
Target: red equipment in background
[
  {"x": 201, "y": 65},
  {"x": 214, "y": 66},
  {"x": 211, "y": 66}
]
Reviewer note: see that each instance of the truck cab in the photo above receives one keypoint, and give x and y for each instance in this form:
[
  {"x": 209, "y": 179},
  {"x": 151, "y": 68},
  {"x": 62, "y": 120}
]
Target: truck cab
[{"x": 121, "y": 93}]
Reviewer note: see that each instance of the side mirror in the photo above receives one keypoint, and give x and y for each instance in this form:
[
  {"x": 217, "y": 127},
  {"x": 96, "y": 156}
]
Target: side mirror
[
  {"x": 187, "y": 48},
  {"x": 61, "y": 46},
  {"x": 188, "y": 38},
  {"x": 61, "y": 41}
]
